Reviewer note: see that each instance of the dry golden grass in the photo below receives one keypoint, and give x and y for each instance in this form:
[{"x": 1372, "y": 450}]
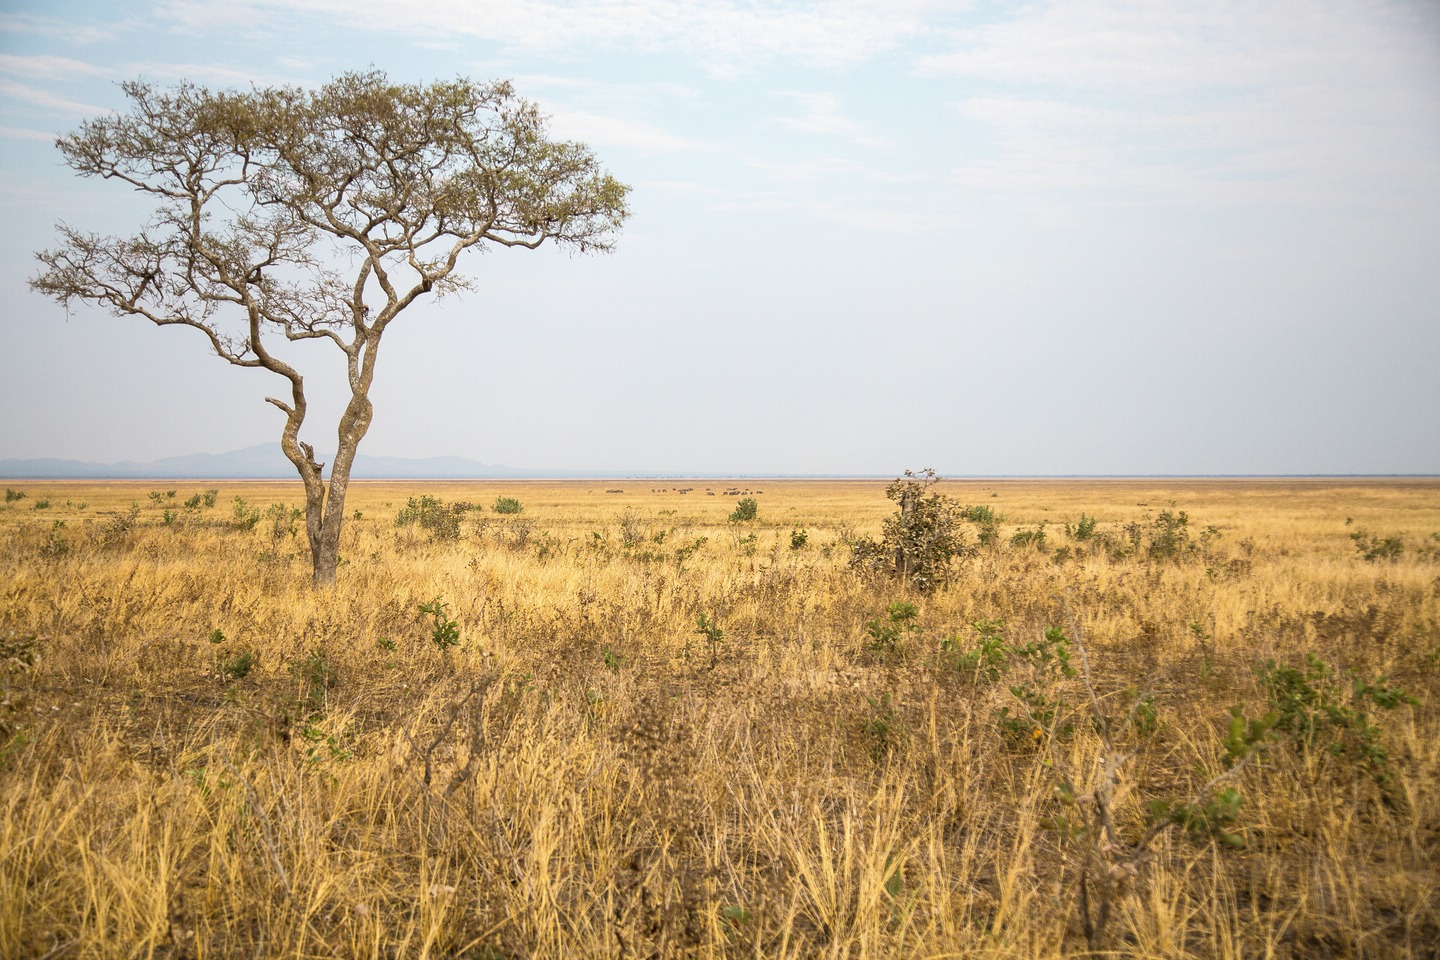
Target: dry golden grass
[{"x": 585, "y": 777}]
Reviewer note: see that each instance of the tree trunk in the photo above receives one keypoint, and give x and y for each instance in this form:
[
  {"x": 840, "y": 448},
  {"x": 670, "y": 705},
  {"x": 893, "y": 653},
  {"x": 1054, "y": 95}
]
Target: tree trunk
[
  {"x": 325, "y": 537},
  {"x": 314, "y": 524}
]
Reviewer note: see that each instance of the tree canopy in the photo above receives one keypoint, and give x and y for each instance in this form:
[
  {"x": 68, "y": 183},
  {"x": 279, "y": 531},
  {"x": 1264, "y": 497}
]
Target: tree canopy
[{"x": 286, "y": 214}]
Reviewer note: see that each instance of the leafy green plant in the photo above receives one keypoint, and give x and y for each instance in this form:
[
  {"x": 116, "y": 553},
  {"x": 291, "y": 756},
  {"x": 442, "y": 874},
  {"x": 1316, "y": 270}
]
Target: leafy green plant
[
  {"x": 244, "y": 516},
  {"x": 988, "y": 660},
  {"x": 42, "y": 504},
  {"x": 324, "y": 746},
  {"x": 1082, "y": 530},
  {"x": 632, "y": 529},
  {"x": 709, "y": 630},
  {"x": 736, "y": 919},
  {"x": 1373, "y": 548},
  {"x": 432, "y": 515},
  {"x": 282, "y": 520},
  {"x": 745, "y": 511},
  {"x": 238, "y": 666},
  {"x": 12, "y": 495},
  {"x": 1029, "y": 538},
  {"x": 687, "y": 550},
  {"x": 887, "y": 634},
  {"x": 1319, "y": 708},
  {"x": 1164, "y": 538},
  {"x": 798, "y": 539},
  {"x": 55, "y": 544},
  {"x": 920, "y": 542},
  {"x": 986, "y": 521},
  {"x": 444, "y": 632},
  {"x": 507, "y": 505}
]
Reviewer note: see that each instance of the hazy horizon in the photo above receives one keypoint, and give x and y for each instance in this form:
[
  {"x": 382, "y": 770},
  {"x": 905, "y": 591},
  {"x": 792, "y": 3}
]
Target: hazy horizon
[{"x": 1051, "y": 239}]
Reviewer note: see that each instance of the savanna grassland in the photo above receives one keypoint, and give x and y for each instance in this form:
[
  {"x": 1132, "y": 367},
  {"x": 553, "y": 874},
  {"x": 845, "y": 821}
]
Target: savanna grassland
[{"x": 558, "y": 757}]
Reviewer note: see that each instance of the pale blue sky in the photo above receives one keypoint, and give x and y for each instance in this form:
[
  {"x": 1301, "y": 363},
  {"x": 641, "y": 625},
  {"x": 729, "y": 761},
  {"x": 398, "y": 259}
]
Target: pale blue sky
[{"x": 1046, "y": 238}]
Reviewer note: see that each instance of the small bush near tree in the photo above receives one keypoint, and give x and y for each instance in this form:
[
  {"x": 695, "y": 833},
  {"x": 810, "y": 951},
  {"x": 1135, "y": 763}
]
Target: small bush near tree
[{"x": 432, "y": 515}]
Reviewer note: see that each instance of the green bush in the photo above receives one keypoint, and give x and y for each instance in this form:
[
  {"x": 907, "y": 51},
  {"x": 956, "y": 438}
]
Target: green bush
[
  {"x": 745, "y": 511},
  {"x": 246, "y": 517},
  {"x": 1317, "y": 708},
  {"x": 921, "y": 541},
  {"x": 1083, "y": 529},
  {"x": 1374, "y": 548},
  {"x": 444, "y": 632},
  {"x": 887, "y": 635},
  {"x": 432, "y": 515},
  {"x": 507, "y": 505}
]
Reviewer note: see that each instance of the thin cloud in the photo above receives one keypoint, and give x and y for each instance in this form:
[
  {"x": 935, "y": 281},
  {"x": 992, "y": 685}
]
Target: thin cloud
[
  {"x": 724, "y": 32},
  {"x": 618, "y": 132},
  {"x": 44, "y": 99},
  {"x": 24, "y": 133},
  {"x": 1196, "y": 103},
  {"x": 826, "y": 168},
  {"x": 845, "y": 212},
  {"x": 49, "y": 67},
  {"x": 822, "y": 114},
  {"x": 81, "y": 34}
]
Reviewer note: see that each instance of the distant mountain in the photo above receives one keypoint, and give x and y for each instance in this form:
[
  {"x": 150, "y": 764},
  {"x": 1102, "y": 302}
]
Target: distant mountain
[{"x": 266, "y": 462}]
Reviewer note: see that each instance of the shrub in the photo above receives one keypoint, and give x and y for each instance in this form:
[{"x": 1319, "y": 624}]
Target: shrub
[
  {"x": 282, "y": 520},
  {"x": 987, "y": 524},
  {"x": 1083, "y": 529},
  {"x": 507, "y": 505},
  {"x": 888, "y": 635},
  {"x": 920, "y": 542},
  {"x": 709, "y": 630},
  {"x": 1374, "y": 548},
  {"x": 799, "y": 539},
  {"x": 432, "y": 515},
  {"x": 632, "y": 529},
  {"x": 745, "y": 511},
  {"x": 1316, "y": 707},
  {"x": 246, "y": 517},
  {"x": 238, "y": 666},
  {"x": 988, "y": 661},
  {"x": 118, "y": 527},
  {"x": 12, "y": 495},
  {"x": 1029, "y": 538},
  {"x": 444, "y": 632}
]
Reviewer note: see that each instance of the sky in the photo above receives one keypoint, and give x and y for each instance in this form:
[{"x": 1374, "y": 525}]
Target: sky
[{"x": 1110, "y": 237}]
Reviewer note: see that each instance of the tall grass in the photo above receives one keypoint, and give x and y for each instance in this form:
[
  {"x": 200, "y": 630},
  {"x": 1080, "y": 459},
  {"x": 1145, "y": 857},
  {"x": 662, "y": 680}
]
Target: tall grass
[{"x": 581, "y": 777}]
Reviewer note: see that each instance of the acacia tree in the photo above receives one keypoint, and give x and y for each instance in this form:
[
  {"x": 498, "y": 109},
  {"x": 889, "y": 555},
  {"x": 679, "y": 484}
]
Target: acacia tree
[{"x": 287, "y": 214}]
